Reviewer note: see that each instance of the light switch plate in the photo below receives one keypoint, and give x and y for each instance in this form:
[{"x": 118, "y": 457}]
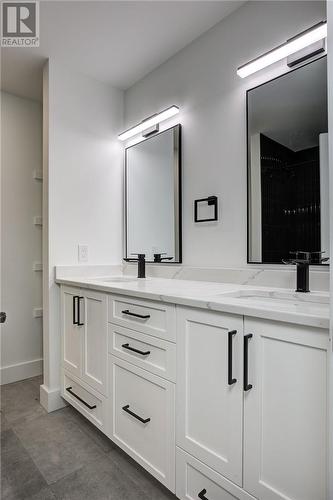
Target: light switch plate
[{"x": 83, "y": 253}]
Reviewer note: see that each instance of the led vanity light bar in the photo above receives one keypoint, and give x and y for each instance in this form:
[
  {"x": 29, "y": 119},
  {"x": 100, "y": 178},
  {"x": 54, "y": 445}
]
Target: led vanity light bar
[
  {"x": 299, "y": 42},
  {"x": 149, "y": 122}
]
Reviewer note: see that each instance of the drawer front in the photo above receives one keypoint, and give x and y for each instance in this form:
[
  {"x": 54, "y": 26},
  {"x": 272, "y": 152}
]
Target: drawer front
[
  {"x": 145, "y": 351},
  {"x": 143, "y": 419},
  {"x": 91, "y": 404},
  {"x": 146, "y": 316},
  {"x": 196, "y": 480}
]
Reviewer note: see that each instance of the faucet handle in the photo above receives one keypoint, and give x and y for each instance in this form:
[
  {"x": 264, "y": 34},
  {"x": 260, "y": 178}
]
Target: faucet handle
[
  {"x": 141, "y": 256},
  {"x": 158, "y": 257}
]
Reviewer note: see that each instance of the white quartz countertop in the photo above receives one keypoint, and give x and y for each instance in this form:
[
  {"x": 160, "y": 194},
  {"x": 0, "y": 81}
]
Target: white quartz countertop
[{"x": 310, "y": 309}]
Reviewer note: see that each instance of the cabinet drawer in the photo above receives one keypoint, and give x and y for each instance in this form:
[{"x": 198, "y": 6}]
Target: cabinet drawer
[
  {"x": 143, "y": 418},
  {"x": 145, "y": 316},
  {"x": 145, "y": 351},
  {"x": 91, "y": 404},
  {"x": 196, "y": 480}
]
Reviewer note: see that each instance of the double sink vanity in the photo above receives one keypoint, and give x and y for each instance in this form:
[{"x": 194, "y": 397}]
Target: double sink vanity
[{"x": 218, "y": 390}]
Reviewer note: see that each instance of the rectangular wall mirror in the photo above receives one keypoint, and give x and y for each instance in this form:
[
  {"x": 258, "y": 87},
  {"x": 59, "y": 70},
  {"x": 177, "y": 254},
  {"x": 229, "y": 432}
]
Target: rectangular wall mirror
[
  {"x": 153, "y": 197},
  {"x": 288, "y": 165}
]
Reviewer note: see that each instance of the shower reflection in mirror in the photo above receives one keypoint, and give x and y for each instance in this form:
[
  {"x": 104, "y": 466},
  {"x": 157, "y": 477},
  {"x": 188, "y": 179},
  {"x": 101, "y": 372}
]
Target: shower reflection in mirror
[{"x": 288, "y": 165}]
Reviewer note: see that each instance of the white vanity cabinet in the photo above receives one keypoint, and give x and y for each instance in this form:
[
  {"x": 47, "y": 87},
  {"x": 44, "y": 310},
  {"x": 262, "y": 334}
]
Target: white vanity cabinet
[
  {"x": 285, "y": 412},
  {"x": 216, "y": 406},
  {"x": 84, "y": 336},
  {"x": 262, "y": 425}
]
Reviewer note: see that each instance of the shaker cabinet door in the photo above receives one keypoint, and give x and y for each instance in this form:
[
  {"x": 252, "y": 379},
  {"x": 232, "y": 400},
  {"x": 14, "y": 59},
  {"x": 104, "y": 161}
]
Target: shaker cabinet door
[
  {"x": 285, "y": 412},
  {"x": 210, "y": 389},
  {"x": 71, "y": 331},
  {"x": 93, "y": 315}
]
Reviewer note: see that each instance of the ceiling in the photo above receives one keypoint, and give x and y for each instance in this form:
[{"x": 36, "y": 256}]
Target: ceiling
[{"x": 117, "y": 42}]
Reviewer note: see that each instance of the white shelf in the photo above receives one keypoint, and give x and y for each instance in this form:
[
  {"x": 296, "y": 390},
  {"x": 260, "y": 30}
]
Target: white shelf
[
  {"x": 38, "y": 220},
  {"x": 38, "y": 175},
  {"x": 37, "y": 312}
]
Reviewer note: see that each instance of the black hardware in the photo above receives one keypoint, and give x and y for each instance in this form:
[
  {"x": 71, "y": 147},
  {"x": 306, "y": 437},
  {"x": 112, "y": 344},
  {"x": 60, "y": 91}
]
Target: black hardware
[
  {"x": 202, "y": 494},
  {"x": 129, "y": 348},
  {"x": 303, "y": 260},
  {"x": 231, "y": 380},
  {"x": 141, "y": 260},
  {"x": 79, "y": 312},
  {"x": 3, "y": 317},
  {"x": 247, "y": 386},
  {"x": 211, "y": 201},
  {"x": 143, "y": 420},
  {"x": 158, "y": 257},
  {"x": 141, "y": 316},
  {"x": 75, "y": 321},
  {"x": 91, "y": 407}
]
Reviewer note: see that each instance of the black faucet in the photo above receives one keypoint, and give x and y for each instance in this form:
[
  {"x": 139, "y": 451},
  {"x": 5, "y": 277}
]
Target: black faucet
[
  {"x": 141, "y": 260},
  {"x": 302, "y": 260},
  {"x": 158, "y": 257}
]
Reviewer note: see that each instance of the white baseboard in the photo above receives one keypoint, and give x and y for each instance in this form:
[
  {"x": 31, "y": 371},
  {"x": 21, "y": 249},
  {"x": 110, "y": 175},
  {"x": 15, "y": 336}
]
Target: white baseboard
[
  {"x": 21, "y": 371},
  {"x": 51, "y": 399}
]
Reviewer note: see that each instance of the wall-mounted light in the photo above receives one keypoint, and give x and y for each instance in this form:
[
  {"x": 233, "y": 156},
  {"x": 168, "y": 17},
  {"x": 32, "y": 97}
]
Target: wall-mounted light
[
  {"x": 299, "y": 42},
  {"x": 149, "y": 122}
]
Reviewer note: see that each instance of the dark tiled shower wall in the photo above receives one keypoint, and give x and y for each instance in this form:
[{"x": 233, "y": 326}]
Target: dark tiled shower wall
[{"x": 290, "y": 188}]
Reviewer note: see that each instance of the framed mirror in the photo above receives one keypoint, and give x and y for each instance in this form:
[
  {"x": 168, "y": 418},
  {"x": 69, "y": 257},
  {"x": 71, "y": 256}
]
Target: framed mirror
[
  {"x": 287, "y": 165},
  {"x": 153, "y": 197}
]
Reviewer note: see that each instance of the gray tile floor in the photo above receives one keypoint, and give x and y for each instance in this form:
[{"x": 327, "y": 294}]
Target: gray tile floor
[{"x": 61, "y": 455}]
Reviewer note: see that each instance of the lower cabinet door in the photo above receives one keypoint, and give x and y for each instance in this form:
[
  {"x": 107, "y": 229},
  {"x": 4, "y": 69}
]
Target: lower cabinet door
[
  {"x": 93, "y": 315},
  {"x": 143, "y": 415},
  {"x": 210, "y": 389},
  {"x": 285, "y": 412},
  {"x": 194, "y": 481},
  {"x": 71, "y": 331}
]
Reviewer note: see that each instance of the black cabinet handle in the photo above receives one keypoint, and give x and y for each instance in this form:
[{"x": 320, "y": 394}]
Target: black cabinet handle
[
  {"x": 231, "y": 380},
  {"x": 69, "y": 389},
  {"x": 79, "y": 312},
  {"x": 143, "y": 420},
  {"x": 129, "y": 348},
  {"x": 75, "y": 321},
  {"x": 141, "y": 316},
  {"x": 202, "y": 495},
  {"x": 247, "y": 386}
]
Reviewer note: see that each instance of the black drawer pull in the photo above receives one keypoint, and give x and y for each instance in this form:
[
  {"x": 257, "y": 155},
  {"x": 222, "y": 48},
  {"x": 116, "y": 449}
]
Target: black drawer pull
[
  {"x": 231, "y": 380},
  {"x": 141, "y": 316},
  {"x": 129, "y": 348},
  {"x": 247, "y": 386},
  {"x": 79, "y": 312},
  {"x": 202, "y": 495},
  {"x": 143, "y": 420},
  {"x": 75, "y": 321},
  {"x": 69, "y": 389}
]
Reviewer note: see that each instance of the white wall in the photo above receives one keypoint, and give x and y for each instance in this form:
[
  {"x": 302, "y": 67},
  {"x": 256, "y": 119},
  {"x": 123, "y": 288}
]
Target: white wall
[
  {"x": 202, "y": 80},
  {"x": 21, "y": 240},
  {"x": 83, "y": 200}
]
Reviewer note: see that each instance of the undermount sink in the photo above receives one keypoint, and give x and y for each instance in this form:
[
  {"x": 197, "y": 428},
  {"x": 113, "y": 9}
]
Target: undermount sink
[
  {"x": 116, "y": 279},
  {"x": 279, "y": 298}
]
